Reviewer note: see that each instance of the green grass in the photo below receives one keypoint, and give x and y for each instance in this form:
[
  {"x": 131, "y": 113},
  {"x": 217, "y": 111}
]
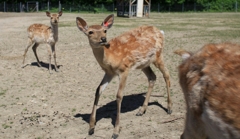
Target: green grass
[{"x": 3, "y": 92}]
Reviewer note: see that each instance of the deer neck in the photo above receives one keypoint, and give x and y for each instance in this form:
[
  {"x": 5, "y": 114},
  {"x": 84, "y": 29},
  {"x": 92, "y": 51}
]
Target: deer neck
[
  {"x": 99, "y": 55},
  {"x": 54, "y": 28}
]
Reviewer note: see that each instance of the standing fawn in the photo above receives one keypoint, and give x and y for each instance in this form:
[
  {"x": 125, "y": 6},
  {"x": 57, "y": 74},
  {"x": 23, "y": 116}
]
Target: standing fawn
[
  {"x": 40, "y": 33},
  {"x": 135, "y": 49},
  {"x": 210, "y": 80}
]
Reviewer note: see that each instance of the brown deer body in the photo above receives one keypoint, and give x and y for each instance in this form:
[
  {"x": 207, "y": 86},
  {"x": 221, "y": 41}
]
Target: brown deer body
[
  {"x": 40, "y": 33},
  {"x": 210, "y": 80},
  {"x": 135, "y": 49}
]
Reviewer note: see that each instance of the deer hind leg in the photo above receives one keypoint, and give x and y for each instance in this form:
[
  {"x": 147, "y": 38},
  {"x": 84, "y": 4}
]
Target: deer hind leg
[
  {"x": 34, "y": 48},
  {"x": 54, "y": 56},
  {"x": 122, "y": 83},
  {"x": 151, "y": 79},
  {"x": 160, "y": 65},
  {"x": 29, "y": 44},
  {"x": 106, "y": 79}
]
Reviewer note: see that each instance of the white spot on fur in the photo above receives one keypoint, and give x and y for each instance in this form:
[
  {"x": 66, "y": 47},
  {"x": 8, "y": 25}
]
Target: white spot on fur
[{"x": 162, "y": 32}]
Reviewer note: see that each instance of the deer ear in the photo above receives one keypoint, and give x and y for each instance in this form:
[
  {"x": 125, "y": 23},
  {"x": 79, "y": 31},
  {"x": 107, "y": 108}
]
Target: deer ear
[
  {"x": 183, "y": 53},
  {"x": 60, "y": 13},
  {"x": 48, "y": 13},
  {"x": 82, "y": 25},
  {"x": 108, "y": 22}
]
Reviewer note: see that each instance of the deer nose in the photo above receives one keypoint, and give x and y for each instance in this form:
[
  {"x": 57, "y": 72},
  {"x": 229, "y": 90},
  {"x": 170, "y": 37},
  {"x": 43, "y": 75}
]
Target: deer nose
[{"x": 104, "y": 39}]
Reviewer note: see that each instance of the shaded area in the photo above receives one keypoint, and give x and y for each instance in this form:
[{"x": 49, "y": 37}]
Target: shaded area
[
  {"x": 44, "y": 65},
  {"x": 129, "y": 103}
]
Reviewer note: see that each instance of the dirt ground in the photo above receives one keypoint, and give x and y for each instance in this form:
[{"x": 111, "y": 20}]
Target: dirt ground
[{"x": 37, "y": 105}]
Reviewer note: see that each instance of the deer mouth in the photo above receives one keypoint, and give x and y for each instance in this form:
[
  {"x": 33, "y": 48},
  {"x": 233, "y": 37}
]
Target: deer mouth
[{"x": 103, "y": 43}]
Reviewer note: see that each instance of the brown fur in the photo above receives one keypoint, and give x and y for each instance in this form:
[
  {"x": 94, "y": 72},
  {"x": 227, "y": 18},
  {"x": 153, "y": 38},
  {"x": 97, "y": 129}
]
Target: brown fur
[
  {"x": 135, "y": 49},
  {"x": 40, "y": 33},
  {"x": 210, "y": 80}
]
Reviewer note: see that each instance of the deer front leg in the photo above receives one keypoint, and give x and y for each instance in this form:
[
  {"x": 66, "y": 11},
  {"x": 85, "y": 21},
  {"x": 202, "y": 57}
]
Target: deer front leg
[
  {"x": 54, "y": 56},
  {"x": 106, "y": 79},
  {"x": 194, "y": 128},
  {"x": 49, "y": 58},
  {"x": 151, "y": 79},
  {"x": 122, "y": 83}
]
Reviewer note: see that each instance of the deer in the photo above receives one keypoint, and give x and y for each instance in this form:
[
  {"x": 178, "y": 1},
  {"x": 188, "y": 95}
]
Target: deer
[
  {"x": 135, "y": 49},
  {"x": 43, "y": 34},
  {"x": 210, "y": 81}
]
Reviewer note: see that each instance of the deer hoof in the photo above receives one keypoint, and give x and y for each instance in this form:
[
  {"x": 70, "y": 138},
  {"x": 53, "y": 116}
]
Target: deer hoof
[
  {"x": 91, "y": 131},
  {"x": 169, "y": 111},
  {"x": 140, "y": 113},
  {"x": 114, "y": 136}
]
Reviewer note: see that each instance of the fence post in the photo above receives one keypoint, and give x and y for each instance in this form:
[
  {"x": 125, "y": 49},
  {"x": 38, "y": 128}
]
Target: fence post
[
  {"x": 113, "y": 7},
  {"x": 194, "y": 6},
  {"x": 37, "y": 6},
  {"x": 4, "y": 6},
  {"x": 59, "y": 6},
  {"x": 236, "y": 6},
  {"x": 183, "y": 7},
  {"x": 102, "y": 7},
  {"x": 48, "y": 5},
  {"x": 20, "y": 6},
  {"x": 27, "y": 7}
]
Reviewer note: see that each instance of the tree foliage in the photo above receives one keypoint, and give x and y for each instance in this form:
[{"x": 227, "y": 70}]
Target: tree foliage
[{"x": 214, "y": 5}]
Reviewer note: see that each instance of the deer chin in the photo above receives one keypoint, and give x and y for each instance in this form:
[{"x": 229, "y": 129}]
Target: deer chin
[{"x": 104, "y": 43}]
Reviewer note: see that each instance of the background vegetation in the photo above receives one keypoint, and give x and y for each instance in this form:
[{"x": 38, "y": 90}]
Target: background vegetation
[{"x": 157, "y": 5}]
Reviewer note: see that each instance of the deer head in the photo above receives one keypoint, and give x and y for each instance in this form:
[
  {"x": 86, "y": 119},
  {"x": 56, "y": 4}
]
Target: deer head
[
  {"x": 54, "y": 17},
  {"x": 96, "y": 33}
]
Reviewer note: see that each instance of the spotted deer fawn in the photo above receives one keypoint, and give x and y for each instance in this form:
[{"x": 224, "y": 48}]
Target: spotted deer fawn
[
  {"x": 40, "y": 33},
  {"x": 210, "y": 80},
  {"x": 135, "y": 49}
]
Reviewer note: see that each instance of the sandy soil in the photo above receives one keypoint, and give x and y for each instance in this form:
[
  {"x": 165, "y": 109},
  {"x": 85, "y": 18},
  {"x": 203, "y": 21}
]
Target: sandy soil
[{"x": 35, "y": 104}]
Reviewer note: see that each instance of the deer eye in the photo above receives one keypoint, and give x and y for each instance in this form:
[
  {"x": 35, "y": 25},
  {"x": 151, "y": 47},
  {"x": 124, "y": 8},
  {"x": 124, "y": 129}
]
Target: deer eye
[
  {"x": 90, "y": 32},
  {"x": 105, "y": 31}
]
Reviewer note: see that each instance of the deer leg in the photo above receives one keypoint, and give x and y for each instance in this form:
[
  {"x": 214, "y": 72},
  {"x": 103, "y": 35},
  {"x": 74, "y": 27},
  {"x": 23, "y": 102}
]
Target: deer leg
[
  {"x": 122, "y": 83},
  {"x": 160, "y": 65},
  {"x": 151, "y": 80},
  {"x": 194, "y": 128},
  {"x": 30, "y": 43},
  {"x": 49, "y": 58},
  {"x": 34, "y": 48},
  {"x": 54, "y": 56},
  {"x": 106, "y": 79}
]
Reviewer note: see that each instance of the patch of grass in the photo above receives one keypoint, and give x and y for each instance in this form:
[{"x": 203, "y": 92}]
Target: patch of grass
[
  {"x": 3, "y": 105},
  {"x": 5, "y": 126},
  {"x": 74, "y": 109},
  {"x": 64, "y": 125},
  {"x": 3, "y": 92}
]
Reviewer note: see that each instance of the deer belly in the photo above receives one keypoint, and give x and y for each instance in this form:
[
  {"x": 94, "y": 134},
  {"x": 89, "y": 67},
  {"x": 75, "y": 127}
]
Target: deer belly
[{"x": 143, "y": 60}]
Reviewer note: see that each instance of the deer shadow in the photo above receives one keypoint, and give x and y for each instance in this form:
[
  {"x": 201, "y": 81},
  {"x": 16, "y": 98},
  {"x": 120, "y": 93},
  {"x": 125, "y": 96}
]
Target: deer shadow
[
  {"x": 43, "y": 65},
  {"x": 129, "y": 103}
]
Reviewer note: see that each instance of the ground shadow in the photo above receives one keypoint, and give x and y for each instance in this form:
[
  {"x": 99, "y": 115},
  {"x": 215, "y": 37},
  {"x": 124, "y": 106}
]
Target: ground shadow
[
  {"x": 44, "y": 65},
  {"x": 129, "y": 103}
]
